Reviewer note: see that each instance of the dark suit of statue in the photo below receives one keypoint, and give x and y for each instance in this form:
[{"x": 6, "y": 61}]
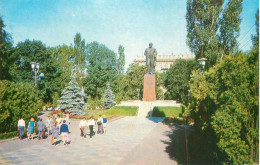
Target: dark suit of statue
[{"x": 151, "y": 55}]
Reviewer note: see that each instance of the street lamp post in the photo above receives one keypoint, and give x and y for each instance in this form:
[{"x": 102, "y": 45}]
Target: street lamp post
[
  {"x": 202, "y": 63},
  {"x": 35, "y": 67}
]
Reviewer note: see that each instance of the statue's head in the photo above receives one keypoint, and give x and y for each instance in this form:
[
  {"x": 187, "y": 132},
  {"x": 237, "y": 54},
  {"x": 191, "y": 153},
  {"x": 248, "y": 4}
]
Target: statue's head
[{"x": 150, "y": 45}]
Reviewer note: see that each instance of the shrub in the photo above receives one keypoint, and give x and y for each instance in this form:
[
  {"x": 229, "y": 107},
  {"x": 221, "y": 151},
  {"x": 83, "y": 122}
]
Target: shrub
[{"x": 17, "y": 100}]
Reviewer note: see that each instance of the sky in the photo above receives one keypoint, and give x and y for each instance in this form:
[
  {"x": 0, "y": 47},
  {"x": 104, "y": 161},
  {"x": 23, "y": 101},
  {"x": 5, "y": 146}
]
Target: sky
[{"x": 131, "y": 23}]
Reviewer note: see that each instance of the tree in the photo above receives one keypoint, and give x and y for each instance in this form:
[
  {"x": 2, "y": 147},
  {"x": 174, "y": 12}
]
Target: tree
[
  {"x": 62, "y": 54},
  {"x": 101, "y": 68},
  {"x": 5, "y": 52},
  {"x": 17, "y": 100},
  {"x": 177, "y": 80},
  {"x": 229, "y": 26},
  {"x": 212, "y": 32},
  {"x": 72, "y": 98},
  {"x": 256, "y": 37},
  {"x": 121, "y": 60},
  {"x": 230, "y": 92},
  {"x": 129, "y": 83},
  {"x": 79, "y": 52},
  {"x": 109, "y": 98},
  {"x": 35, "y": 51}
]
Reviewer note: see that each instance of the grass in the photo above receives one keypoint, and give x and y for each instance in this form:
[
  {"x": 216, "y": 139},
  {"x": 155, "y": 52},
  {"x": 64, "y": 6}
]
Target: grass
[
  {"x": 173, "y": 115},
  {"x": 8, "y": 135},
  {"x": 114, "y": 111},
  {"x": 167, "y": 112}
]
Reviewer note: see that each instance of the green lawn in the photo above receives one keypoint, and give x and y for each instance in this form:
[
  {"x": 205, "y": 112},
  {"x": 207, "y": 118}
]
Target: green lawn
[
  {"x": 8, "y": 135},
  {"x": 167, "y": 111},
  {"x": 116, "y": 110}
]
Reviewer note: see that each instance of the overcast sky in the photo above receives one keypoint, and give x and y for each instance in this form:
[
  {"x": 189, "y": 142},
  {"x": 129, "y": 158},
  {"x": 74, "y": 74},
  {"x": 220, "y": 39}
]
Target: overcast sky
[{"x": 131, "y": 23}]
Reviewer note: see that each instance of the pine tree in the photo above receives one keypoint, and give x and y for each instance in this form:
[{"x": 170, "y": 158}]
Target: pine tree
[
  {"x": 72, "y": 99},
  {"x": 109, "y": 98}
]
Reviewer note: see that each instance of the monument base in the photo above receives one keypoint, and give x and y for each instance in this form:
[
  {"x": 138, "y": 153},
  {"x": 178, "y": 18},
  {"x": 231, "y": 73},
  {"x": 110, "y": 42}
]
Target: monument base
[{"x": 149, "y": 93}]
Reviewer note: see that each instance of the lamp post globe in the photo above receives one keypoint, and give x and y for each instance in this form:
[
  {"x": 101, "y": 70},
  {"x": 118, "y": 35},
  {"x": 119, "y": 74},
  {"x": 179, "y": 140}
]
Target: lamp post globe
[
  {"x": 202, "y": 63},
  {"x": 33, "y": 65},
  {"x": 36, "y": 67}
]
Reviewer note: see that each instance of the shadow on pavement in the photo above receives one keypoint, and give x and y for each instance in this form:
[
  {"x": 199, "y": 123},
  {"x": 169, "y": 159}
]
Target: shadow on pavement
[
  {"x": 156, "y": 119},
  {"x": 176, "y": 146}
]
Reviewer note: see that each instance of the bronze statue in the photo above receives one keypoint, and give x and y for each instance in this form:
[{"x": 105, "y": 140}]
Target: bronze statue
[{"x": 151, "y": 55}]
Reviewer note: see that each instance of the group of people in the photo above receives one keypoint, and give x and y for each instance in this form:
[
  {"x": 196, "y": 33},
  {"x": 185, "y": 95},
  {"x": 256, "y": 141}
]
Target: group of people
[
  {"x": 90, "y": 125},
  {"x": 54, "y": 126}
]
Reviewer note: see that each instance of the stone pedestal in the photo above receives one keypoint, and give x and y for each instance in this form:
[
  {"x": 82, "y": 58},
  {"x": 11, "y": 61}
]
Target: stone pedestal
[{"x": 149, "y": 93}]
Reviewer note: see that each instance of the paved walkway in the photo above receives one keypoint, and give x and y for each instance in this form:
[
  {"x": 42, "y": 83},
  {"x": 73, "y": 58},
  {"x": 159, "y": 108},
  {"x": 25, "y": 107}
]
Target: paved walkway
[{"x": 129, "y": 140}]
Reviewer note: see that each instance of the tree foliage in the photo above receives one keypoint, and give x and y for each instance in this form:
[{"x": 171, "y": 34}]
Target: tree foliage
[
  {"x": 5, "y": 52},
  {"x": 79, "y": 51},
  {"x": 35, "y": 51},
  {"x": 101, "y": 68},
  {"x": 17, "y": 100},
  {"x": 108, "y": 98},
  {"x": 129, "y": 83},
  {"x": 62, "y": 55},
  {"x": 72, "y": 99},
  {"x": 121, "y": 60},
  {"x": 229, "y": 95},
  {"x": 229, "y": 26},
  {"x": 177, "y": 80},
  {"x": 212, "y": 31}
]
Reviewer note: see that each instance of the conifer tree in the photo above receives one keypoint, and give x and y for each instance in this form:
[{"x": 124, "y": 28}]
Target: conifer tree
[
  {"x": 72, "y": 99},
  {"x": 109, "y": 98}
]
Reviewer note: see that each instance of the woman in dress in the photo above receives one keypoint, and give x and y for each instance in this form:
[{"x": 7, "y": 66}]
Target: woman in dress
[
  {"x": 55, "y": 133},
  {"x": 30, "y": 128}
]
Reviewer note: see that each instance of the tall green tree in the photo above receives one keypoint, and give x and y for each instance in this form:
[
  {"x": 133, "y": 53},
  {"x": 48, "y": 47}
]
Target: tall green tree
[
  {"x": 177, "y": 80},
  {"x": 5, "y": 51},
  {"x": 129, "y": 83},
  {"x": 212, "y": 31},
  {"x": 62, "y": 54},
  {"x": 121, "y": 60},
  {"x": 101, "y": 68},
  {"x": 255, "y": 38},
  {"x": 35, "y": 51},
  {"x": 229, "y": 27},
  {"x": 79, "y": 52}
]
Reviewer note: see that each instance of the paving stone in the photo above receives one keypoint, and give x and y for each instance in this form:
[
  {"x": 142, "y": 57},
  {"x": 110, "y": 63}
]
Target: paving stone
[{"x": 122, "y": 137}]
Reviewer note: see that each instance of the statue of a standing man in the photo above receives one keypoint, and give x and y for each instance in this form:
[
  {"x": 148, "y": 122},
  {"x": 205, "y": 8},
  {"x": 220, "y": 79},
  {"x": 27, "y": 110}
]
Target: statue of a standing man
[{"x": 151, "y": 55}]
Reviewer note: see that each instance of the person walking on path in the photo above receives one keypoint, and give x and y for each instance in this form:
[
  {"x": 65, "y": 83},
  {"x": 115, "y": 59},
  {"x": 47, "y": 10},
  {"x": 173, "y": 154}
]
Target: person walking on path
[
  {"x": 83, "y": 127},
  {"x": 55, "y": 133},
  {"x": 66, "y": 118},
  {"x": 104, "y": 124},
  {"x": 30, "y": 129},
  {"x": 91, "y": 123},
  {"x": 21, "y": 128},
  {"x": 99, "y": 123},
  {"x": 64, "y": 132},
  {"x": 59, "y": 121},
  {"x": 49, "y": 124},
  {"x": 40, "y": 127}
]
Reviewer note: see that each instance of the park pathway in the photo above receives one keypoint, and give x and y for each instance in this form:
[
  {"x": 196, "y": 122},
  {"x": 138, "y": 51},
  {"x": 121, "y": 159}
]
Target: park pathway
[{"x": 125, "y": 137}]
